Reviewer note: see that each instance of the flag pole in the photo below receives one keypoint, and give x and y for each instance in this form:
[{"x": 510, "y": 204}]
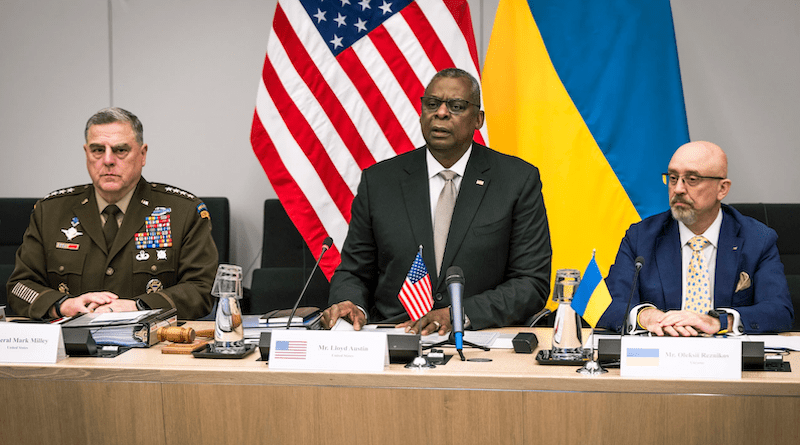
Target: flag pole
[{"x": 592, "y": 367}]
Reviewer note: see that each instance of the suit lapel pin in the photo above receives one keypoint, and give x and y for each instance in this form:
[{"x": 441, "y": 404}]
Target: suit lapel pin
[
  {"x": 735, "y": 247},
  {"x": 479, "y": 182}
]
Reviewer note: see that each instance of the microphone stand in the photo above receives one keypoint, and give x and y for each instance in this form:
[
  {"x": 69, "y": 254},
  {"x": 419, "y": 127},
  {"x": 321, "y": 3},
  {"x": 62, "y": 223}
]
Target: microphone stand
[
  {"x": 638, "y": 265},
  {"x": 451, "y": 340},
  {"x": 325, "y": 246},
  {"x": 455, "y": 286}
]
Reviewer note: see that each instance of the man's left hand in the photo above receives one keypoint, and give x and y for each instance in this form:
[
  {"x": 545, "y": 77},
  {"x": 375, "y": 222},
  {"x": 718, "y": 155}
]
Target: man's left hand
[
  {"x": 121, "y": 305},
  {"x": 437, "y": 320},
  {"x": 688, "y": 324}
]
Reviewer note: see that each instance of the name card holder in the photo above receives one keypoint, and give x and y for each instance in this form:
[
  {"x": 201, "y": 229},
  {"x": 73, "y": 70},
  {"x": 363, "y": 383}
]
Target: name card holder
[
  {"x": 31, "y": 343},
  {"x": 681, "y": 357},
  {"x": 307, "y": 350}
]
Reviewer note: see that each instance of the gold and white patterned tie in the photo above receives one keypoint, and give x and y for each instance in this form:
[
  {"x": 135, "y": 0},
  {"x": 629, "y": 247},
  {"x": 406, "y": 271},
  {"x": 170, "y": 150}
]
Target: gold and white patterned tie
[
  {"x": 698, "y": 292},
  {"x": 443, "y": 215}
]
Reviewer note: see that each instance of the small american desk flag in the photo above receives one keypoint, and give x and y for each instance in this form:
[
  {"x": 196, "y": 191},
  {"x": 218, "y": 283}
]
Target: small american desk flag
[{"x": 416, "y": 293}]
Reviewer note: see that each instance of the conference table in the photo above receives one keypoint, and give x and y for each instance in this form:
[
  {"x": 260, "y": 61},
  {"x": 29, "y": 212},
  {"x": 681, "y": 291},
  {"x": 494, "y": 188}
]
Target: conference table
[{"x": 145, "y": 397}]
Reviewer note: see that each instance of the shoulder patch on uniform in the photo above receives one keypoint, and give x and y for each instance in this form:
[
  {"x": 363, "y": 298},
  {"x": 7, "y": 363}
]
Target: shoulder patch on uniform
[
  {"x": 66, "y": 191},
  {"x": 203, "y": 211},
  {"x": 164, "y": 188}
]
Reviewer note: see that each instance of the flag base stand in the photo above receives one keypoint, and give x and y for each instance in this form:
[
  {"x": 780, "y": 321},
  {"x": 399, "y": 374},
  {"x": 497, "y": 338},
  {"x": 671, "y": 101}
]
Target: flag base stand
[
  {"x": 591, "y": 368},
  {"x": 419, "y": 363}
]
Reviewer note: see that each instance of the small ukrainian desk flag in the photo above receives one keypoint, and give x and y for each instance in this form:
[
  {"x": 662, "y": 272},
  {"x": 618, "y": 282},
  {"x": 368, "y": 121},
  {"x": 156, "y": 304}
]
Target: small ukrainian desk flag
[{"x": 592, "y": 298}]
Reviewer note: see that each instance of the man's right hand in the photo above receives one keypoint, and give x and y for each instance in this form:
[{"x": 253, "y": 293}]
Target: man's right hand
[
  {"x": 347, "y": 310},
  {"x": 677, "y": 323},
  {"x": 84, "y": 303}
]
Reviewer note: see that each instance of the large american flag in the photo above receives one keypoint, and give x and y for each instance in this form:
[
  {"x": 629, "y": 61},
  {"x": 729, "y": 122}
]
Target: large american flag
[
  {"x": 416, "y": 294},
  {"x": 340, "y": 90}
]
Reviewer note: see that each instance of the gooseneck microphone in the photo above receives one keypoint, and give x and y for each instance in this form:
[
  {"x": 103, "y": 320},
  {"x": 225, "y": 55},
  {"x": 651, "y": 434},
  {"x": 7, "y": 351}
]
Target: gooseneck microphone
[
  {"x": 325, "y": 246},
  {"x": 638, "y": 265},
  {"x": 455, "y": 287}
]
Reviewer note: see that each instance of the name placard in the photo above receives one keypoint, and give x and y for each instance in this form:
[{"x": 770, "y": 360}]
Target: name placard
[
  {"x": 681, "y": 357},
  {"x": 31, "y": 343},
  {"x": 297, "y": 349}
]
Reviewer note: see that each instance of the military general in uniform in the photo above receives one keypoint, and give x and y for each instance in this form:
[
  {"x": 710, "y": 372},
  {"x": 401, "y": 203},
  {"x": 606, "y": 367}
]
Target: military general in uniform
[{"x": 119, "y": 243}]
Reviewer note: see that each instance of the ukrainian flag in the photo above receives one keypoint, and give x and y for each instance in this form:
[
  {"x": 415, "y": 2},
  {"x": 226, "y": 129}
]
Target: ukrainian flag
[
  {"x": 589, "y": 92},
  {"x": 592, "y": 297}
]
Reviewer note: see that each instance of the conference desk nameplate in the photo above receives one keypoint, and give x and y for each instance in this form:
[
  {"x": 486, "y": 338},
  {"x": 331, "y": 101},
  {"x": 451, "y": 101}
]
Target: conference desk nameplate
[
  {"x": 31, "y": 343},
  {"x": 683, "y": 357},
  {"x": 307, "y": 350}
]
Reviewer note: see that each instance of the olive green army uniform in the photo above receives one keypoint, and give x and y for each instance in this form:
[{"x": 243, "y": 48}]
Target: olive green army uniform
[{"x": 163, "y": 253}]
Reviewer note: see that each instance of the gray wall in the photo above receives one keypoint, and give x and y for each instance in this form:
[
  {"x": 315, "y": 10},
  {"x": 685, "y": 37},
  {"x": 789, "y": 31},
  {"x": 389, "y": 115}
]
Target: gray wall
[{"x": 189, "y": 69}]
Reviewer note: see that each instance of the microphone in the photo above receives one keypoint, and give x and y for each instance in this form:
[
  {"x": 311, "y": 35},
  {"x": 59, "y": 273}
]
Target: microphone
[
  {"x": 638, "y": 265},
  {"x": 325, "y": 246},
  {"x": 455, "y": 287}
]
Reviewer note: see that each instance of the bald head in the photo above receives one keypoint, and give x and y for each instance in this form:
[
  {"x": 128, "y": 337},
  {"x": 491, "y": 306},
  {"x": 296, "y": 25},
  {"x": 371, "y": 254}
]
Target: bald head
[
  {"x": 699, "y": 181},
  {"x": 704, "y": 158}
]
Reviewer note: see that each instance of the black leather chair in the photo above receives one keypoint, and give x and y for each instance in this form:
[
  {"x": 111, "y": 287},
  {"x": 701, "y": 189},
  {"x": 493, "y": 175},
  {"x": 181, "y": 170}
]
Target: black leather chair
[
  {"x": 784, "y": 219},
  {"x": 220, "y": 211},
  {"x": 286, "y": 263},
  {"x": 15, "y": 215},
  {"x": 278, "y": 288}
]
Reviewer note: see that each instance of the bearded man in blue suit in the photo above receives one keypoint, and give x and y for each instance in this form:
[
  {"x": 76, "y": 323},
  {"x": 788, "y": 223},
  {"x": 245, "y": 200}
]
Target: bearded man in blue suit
[{"x": 731, "y": 281}]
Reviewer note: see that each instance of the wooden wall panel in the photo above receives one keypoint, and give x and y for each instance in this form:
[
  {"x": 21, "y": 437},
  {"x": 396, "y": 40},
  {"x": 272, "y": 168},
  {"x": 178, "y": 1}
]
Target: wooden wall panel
[
  {"x": 335, "y": 415},
  {"x": 76, "y": 412},
  {"x": 620, "y": 418}
]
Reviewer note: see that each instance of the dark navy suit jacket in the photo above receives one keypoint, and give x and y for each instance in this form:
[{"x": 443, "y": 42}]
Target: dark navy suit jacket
[
  {"x": 498, "y": 236},
  {"x": 745, "y": 246}
]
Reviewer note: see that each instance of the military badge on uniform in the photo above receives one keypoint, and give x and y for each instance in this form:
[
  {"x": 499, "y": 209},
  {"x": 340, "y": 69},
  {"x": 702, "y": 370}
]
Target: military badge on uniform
[
  {"x": 63, "y": 288},
  {"x": 142, "y": 256},
  {"x": 158, "y": 233},
  {"x": 154, "y": 285},
  {"x": 71, "y": 233},
  {"x": 161, "y": 254}
]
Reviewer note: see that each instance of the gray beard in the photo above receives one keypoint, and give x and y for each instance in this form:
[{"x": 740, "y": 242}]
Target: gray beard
[{"x": 687, "y": 216}]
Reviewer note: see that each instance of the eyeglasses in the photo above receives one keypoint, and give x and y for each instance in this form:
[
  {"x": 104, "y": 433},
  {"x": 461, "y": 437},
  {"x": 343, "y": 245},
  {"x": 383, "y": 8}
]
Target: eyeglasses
[
  {"x": 454, "y": 106},
  {"x": 690, "y": 180}
]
